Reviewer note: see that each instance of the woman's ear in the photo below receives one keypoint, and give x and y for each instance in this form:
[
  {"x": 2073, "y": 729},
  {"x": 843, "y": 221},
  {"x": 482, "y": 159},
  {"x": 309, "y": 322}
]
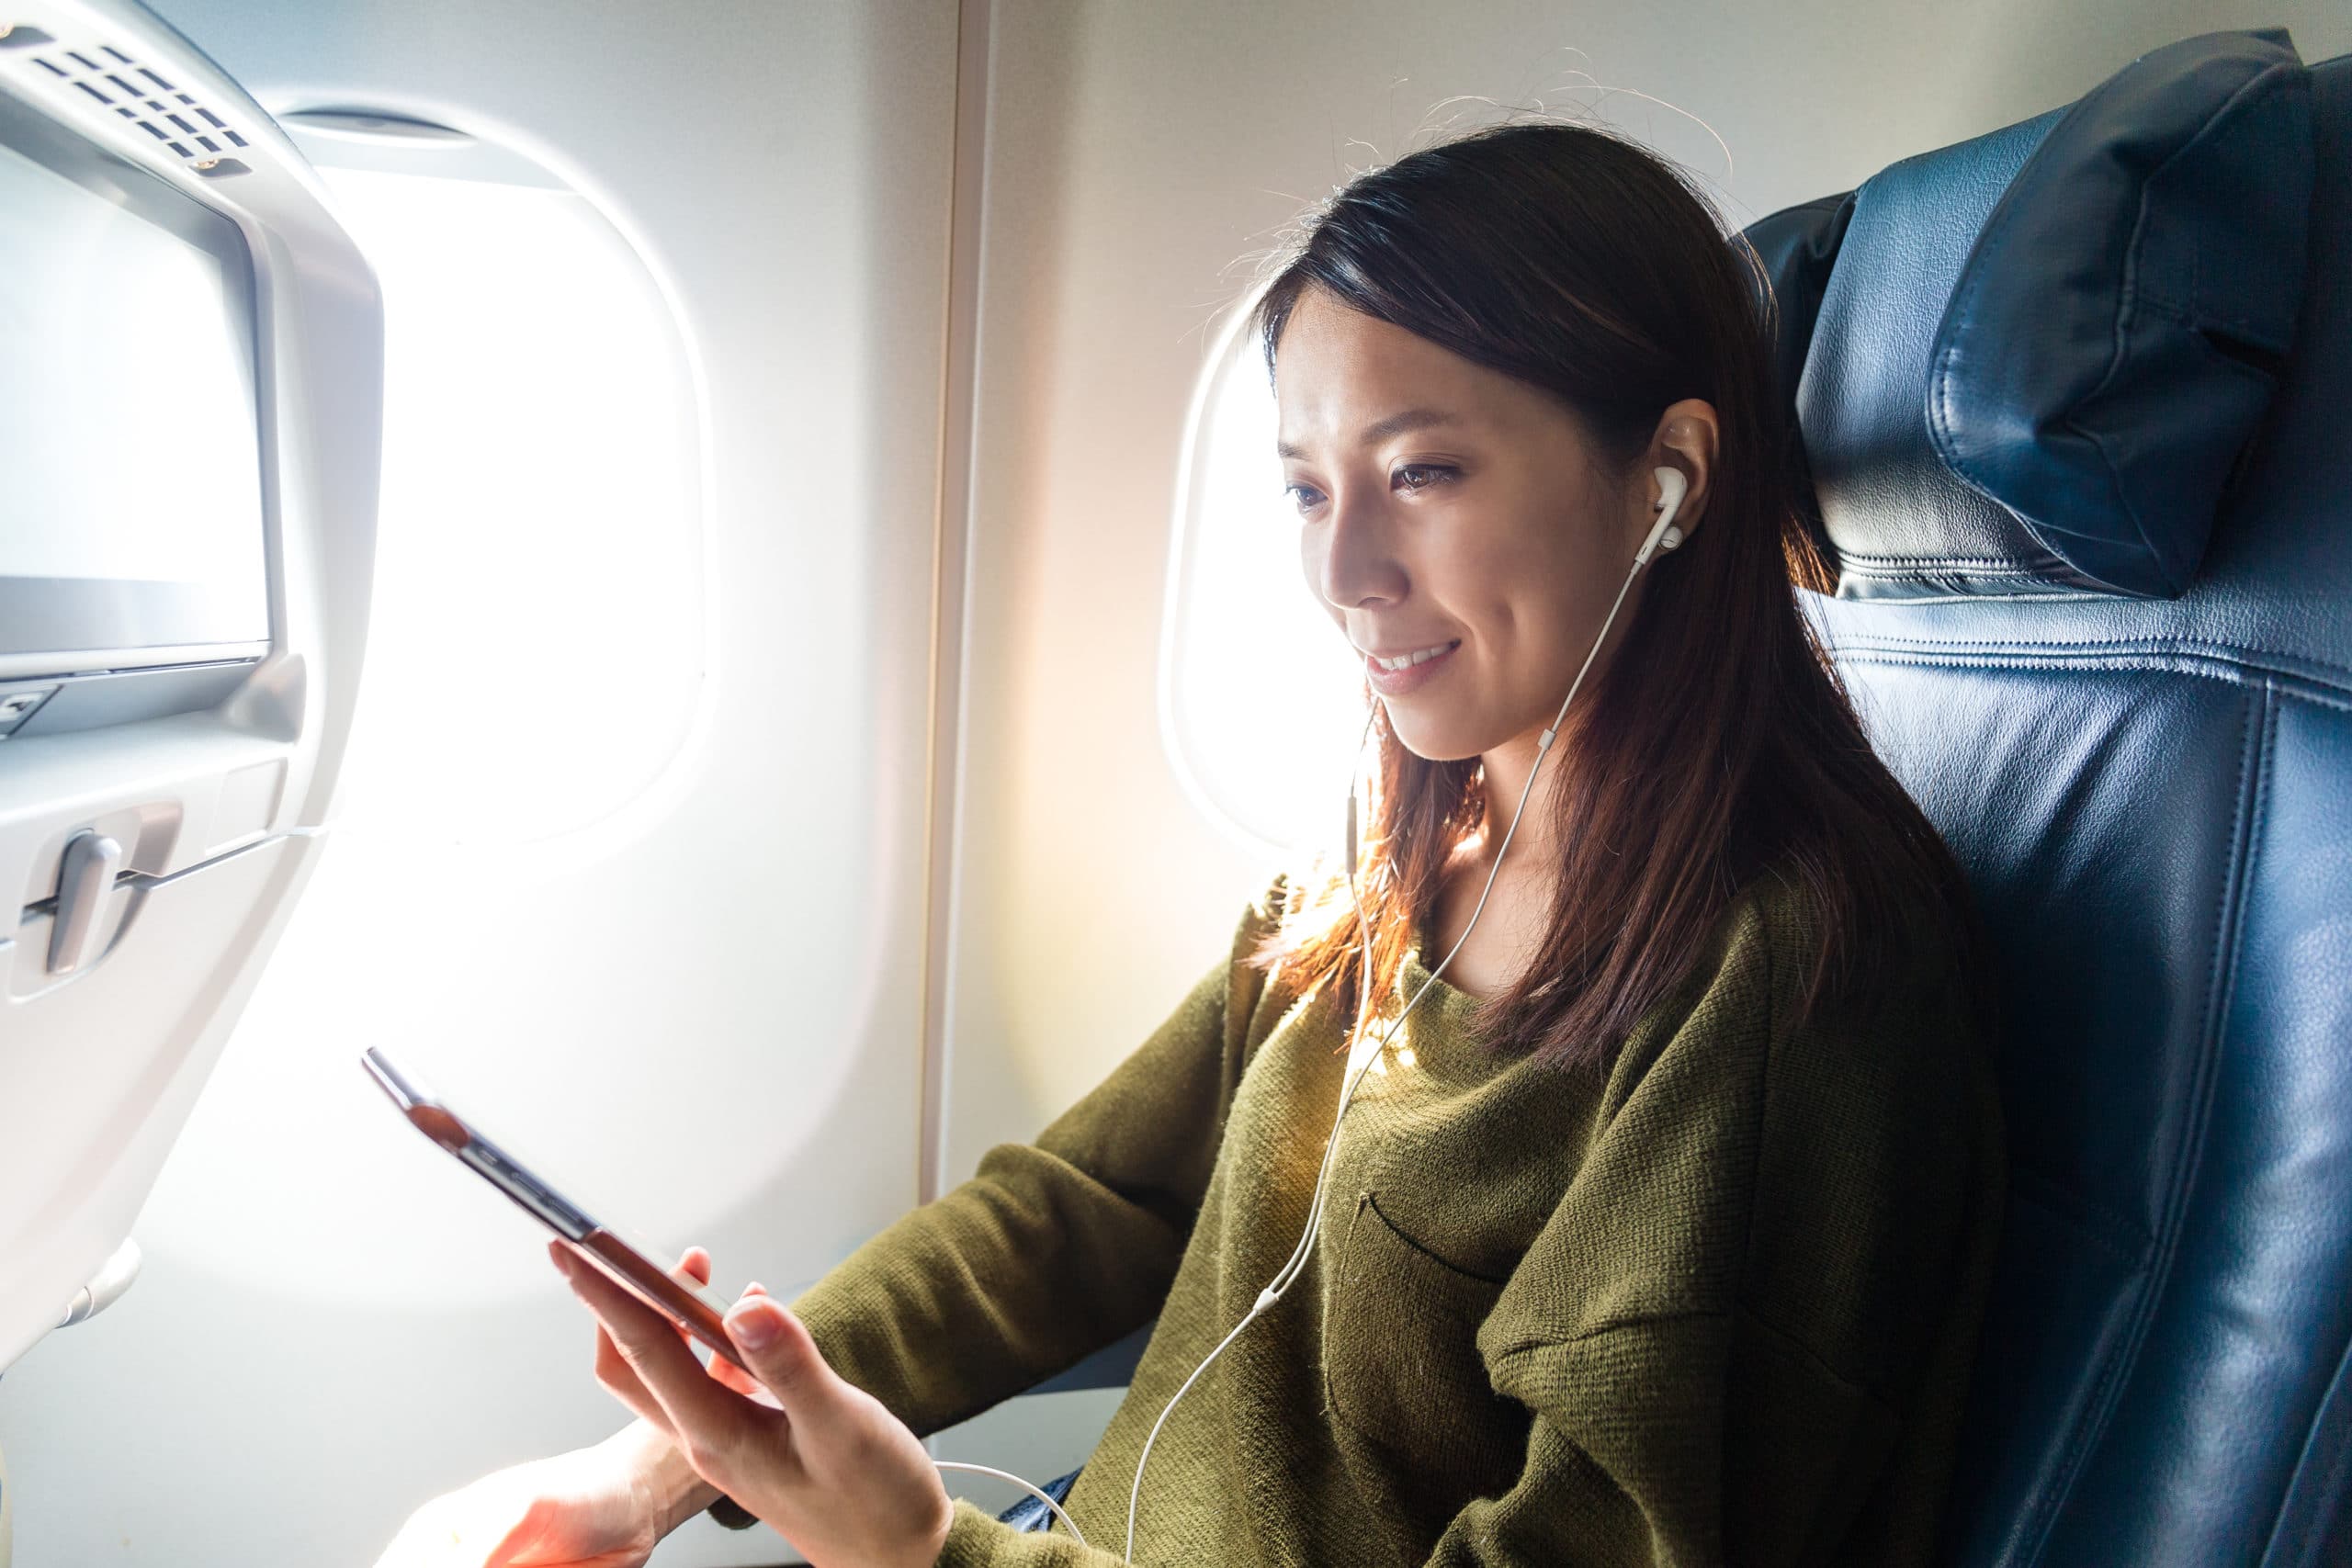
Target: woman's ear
[{"x": 1685, "y": 439}]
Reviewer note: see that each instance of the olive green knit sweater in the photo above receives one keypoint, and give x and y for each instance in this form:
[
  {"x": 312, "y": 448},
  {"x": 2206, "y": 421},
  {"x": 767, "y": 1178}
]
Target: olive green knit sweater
[{"x": 1714, "y": 1305}]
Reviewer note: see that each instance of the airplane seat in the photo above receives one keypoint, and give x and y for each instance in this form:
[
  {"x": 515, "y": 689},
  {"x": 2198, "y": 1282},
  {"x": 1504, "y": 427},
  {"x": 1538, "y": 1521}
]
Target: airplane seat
[{"x": 2071, "y": 397}]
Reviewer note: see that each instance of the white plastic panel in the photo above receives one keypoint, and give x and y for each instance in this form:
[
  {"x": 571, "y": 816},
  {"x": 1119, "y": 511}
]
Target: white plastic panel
[
  {"x": 105, "y": 1039},
  {"x": 122, "y": 1047}
]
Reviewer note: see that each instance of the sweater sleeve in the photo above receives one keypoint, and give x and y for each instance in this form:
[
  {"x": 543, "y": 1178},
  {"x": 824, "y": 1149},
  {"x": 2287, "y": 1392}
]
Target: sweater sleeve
[
  {"x": 1749, "y": 1322},
  {"x": 1052, "y": 1249}
]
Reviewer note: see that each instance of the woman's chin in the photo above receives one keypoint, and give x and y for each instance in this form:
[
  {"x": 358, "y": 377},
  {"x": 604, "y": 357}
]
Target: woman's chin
[{"x": 1431, "y": 742}]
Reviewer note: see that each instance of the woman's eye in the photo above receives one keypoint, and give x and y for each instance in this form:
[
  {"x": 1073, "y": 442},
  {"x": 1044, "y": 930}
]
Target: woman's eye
[
  {"x": 1303, "y": 497},
  {"x": 1419, "y": 476}
]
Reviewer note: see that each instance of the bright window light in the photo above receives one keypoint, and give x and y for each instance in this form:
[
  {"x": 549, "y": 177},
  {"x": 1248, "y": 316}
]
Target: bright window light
[
  {"x": 1261, "y": 700},
  {"x": 536, "y": 676},
  {"x": 535, "y": 655}
]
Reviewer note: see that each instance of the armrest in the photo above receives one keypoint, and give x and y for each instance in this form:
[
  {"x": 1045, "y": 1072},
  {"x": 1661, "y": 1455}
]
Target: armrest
[{"x": 1111, "y": 1367}]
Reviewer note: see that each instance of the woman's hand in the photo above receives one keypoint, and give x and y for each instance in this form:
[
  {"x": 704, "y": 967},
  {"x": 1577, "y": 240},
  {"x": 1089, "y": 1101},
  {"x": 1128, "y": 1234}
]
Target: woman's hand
[
  {"x": 595, "y": 1508},
  {"x": 839, "y": 1476},
  {"x": 588, "y": 1508}
]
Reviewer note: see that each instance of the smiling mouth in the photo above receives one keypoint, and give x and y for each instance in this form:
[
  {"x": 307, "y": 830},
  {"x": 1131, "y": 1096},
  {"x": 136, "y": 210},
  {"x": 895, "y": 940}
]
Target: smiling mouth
[{"x": 1418, "y": 656}]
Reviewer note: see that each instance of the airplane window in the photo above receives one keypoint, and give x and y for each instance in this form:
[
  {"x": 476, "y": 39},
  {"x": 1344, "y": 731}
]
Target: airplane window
[
  {"x": 1262, "y": 702},
  {"x": 535, "y": 655}
]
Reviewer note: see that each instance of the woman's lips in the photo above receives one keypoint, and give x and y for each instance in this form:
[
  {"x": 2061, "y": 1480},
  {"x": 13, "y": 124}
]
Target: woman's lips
[{"x": 1398, "y": 682}]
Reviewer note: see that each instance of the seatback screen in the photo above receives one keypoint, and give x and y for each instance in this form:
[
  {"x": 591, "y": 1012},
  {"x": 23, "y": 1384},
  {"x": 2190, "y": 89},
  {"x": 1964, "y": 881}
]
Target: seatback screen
[{"x": 131, "y": 490}]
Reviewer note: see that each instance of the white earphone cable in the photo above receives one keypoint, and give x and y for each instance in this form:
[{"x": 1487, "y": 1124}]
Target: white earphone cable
[
  {"x": 1542, "y": 747},
  {"x": 1300, "y": 1254},
  {"x": 1038, "y": 1493}
]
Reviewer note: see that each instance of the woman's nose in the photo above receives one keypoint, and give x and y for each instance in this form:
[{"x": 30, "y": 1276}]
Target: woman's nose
[{"x": 1358, "y": 565}]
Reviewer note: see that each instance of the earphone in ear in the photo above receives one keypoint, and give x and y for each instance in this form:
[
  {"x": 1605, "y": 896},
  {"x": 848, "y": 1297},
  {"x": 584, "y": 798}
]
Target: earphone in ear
[{"x": 1664, "y": 535}]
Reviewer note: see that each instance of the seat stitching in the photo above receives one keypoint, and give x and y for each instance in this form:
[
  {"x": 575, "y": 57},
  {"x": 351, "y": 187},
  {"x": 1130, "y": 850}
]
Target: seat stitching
[
  {"x": 1986, "y": 566},
  {"x": 2189, "y": 648},
  {"x": 2287, "y": 685}
]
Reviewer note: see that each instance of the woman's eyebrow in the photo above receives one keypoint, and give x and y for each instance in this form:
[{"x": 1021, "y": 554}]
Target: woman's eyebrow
[{"x": 1382, "y": 429}]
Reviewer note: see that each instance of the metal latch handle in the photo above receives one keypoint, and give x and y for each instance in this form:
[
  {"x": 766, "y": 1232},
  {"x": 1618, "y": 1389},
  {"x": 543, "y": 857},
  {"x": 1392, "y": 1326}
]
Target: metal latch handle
[
  {"x": 113, "y": 1277},
  {"x": 84, "y": 880}
]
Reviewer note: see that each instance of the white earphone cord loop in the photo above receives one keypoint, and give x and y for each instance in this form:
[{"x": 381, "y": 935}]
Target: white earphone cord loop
[
  {"x": 1037, "y": 1492},
  {"x": 1296, "y": 1264}
]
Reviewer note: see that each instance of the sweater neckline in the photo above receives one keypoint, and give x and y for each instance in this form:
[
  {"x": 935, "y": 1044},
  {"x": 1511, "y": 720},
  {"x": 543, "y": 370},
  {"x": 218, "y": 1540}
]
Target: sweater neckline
[{"x": 1448, "y": 1013}]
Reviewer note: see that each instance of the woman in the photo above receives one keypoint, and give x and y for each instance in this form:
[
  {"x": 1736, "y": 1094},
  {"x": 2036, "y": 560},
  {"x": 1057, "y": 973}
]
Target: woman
[{"x": 1659, "y": 1231}]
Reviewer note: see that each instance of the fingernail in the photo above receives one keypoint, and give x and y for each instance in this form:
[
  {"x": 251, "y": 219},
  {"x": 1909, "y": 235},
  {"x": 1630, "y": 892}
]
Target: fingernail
[
  {"x": 562, "y": 1259},
  {"x": 755, "y": 1328}
]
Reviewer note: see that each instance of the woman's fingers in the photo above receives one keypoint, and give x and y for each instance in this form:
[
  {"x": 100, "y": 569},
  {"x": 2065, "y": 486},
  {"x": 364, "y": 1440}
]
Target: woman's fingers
[
  {"x": 620, "y": 1380},
  {"x": 695, "y": 1269},
  {"x": 735, "y": 1377},
  {"x": 822, "y": 1460},
  {"x": 695, "y": 1266},
  {"x": 614, "y": 1371},
  {"x": 612, "y": 1367},
  {"x": 709, "y": 1423},
  {"x": 786, "y": 1361}
]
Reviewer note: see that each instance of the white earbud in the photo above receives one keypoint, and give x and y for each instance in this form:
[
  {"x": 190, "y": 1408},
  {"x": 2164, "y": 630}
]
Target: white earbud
[{"x": 1663, "y": 535}]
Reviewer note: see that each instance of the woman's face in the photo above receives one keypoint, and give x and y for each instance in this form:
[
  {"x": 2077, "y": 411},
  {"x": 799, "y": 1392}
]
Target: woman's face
[{"x": 1450, "y": 509}]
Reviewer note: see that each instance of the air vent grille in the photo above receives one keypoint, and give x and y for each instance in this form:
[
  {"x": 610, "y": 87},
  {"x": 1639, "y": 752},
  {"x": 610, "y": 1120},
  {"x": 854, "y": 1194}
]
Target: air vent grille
[{"x": 102, "y": 79}]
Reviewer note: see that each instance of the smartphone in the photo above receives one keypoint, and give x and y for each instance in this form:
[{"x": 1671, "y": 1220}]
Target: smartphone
[{"x": 674, "y": 1298}]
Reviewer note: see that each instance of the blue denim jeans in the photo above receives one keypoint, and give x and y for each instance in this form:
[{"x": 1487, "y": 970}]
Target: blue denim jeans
[{"x": 1030, "y": 1514}]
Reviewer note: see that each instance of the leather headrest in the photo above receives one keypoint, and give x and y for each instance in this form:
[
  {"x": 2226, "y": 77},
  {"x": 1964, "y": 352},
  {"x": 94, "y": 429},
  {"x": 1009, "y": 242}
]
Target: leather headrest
[{"x": 2028, "y": 363}]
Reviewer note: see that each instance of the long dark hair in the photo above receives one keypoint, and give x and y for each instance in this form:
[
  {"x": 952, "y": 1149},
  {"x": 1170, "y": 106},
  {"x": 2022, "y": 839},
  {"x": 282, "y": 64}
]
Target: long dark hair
[{"x": 1718, "y": 741}]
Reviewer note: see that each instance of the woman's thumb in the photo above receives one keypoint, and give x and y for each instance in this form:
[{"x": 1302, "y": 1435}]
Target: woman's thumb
[{"x": 780, "y": 1353}]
